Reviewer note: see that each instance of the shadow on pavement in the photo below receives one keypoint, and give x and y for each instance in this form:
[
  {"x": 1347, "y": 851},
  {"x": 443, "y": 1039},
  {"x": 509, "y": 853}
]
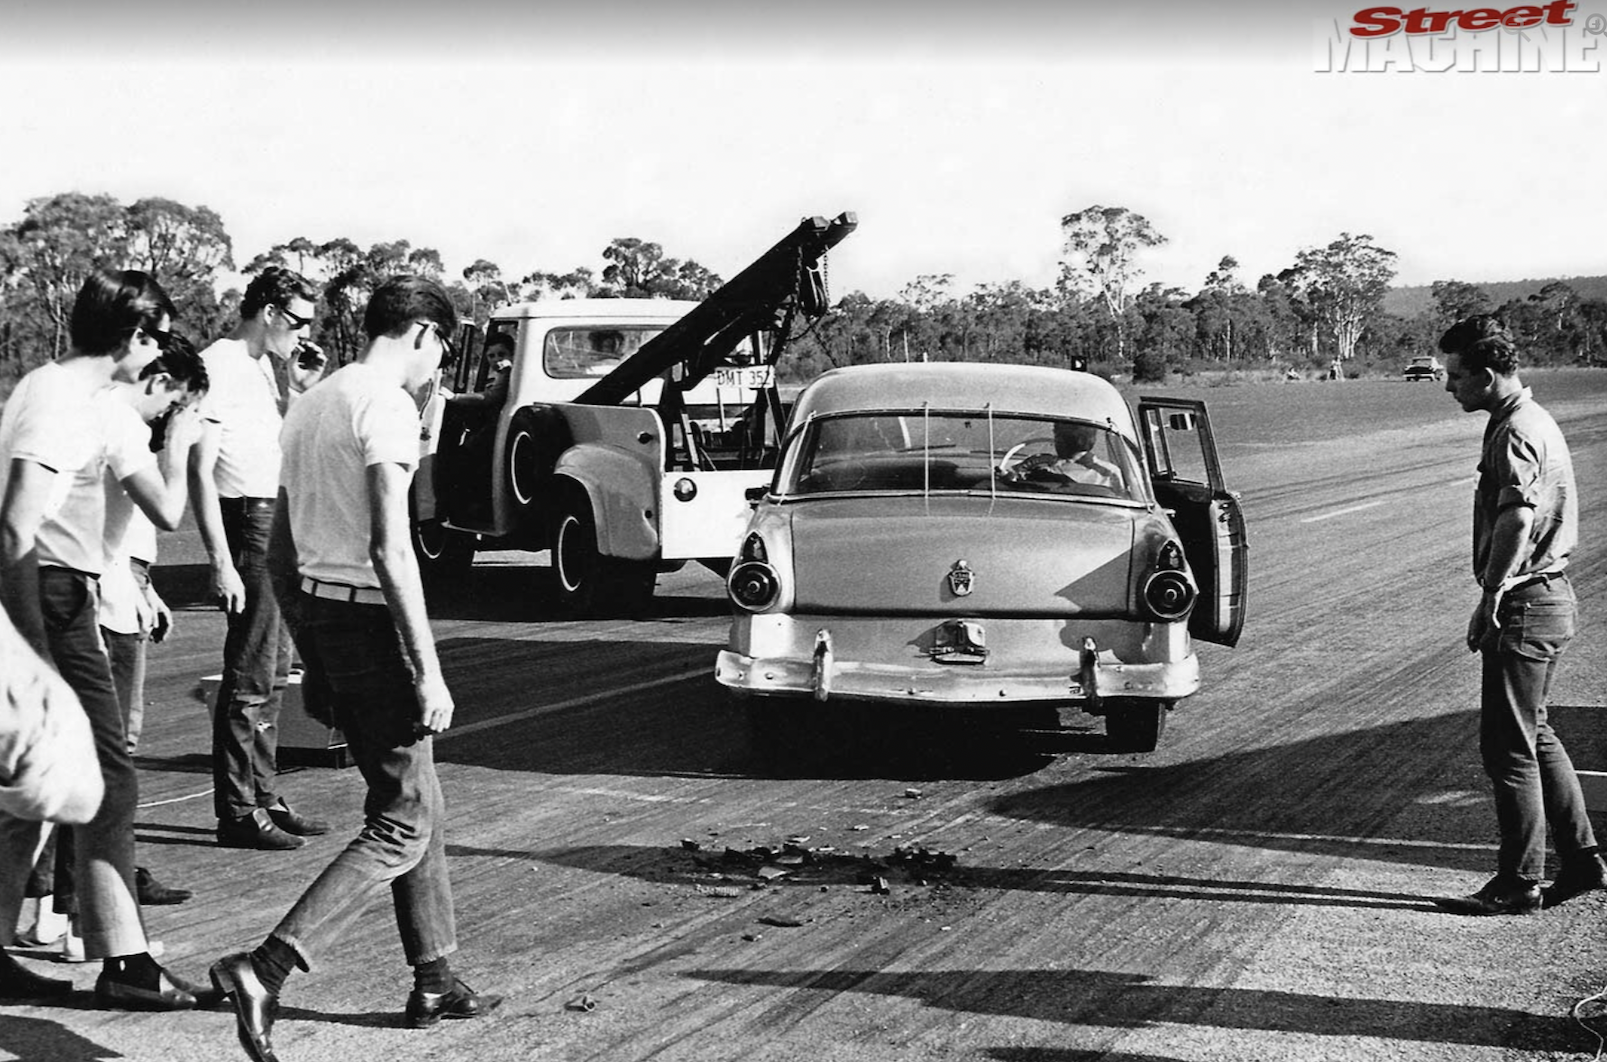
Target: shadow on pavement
[
  {"x": 1334, "y": 795},
  {"x": 41, "y": 1038},
  {"x": 680, "y": 722},
  {"x": 1133, "y": 1001}
]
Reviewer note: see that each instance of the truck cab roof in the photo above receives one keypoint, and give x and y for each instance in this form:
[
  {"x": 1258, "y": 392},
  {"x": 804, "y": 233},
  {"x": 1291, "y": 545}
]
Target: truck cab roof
[{"x": 598, "y": 309}]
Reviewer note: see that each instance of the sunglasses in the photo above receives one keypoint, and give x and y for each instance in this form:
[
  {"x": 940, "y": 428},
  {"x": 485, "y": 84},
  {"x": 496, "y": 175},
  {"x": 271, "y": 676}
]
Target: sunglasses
[
  {"x": 448, "y": 351},
  {"x": 296, "y": 320},
  {"x": 163, "y": 340}
]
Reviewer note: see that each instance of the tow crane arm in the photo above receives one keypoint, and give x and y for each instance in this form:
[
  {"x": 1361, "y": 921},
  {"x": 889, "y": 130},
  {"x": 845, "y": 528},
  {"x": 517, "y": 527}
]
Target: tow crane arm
[{"x": 783, "y": 282}]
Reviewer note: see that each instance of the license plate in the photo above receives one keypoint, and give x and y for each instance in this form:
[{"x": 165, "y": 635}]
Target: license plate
[{"x": 751, "y": 377}]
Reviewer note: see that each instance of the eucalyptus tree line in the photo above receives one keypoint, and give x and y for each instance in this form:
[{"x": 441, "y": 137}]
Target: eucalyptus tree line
[{"x": 1327, "y": 303}]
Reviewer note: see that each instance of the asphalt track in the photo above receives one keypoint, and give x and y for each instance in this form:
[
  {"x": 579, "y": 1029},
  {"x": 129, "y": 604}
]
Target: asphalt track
[{"x": 1257, "y": 889}]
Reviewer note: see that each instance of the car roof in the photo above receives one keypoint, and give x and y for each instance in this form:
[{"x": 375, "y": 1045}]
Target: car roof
[
  {"x": 598, "y": 309},
  {"x": 1033, "y": 390}
]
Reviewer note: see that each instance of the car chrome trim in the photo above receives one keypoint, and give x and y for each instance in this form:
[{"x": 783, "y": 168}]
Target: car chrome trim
[
  {"x": 847, "y": 680},
  {"x": 821, "y": 681}
]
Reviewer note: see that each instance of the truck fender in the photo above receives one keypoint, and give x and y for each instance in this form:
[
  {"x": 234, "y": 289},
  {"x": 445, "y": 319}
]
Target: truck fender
[{"x": 623, "y": 490}]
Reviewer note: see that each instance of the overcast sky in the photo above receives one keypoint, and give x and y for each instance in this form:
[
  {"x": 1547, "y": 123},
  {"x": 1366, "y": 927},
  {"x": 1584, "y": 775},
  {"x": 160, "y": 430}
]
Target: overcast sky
[{"x": 959, "y": 133}]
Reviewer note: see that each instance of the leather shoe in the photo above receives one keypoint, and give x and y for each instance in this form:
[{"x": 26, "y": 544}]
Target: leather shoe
[
  {"x": 171, "y": 993},
  {"x": 460, "y": 1001},
  {"x": 1499, "y": 896},
  {"x": 19, "y": 982},
  {"x": 1586, "y": 874},
  {"x": 153, "y": 893},
  {"x": 297, "y": 824},
  {"x": 256, "y": 830},
  {"x": 254, "y": 1006}
]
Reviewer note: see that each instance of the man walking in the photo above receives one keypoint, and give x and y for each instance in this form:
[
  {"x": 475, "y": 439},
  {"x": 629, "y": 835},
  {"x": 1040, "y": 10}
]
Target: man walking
[
  {"x": 1525, "y": 524},
  {"x": 234, "y": 480},
  {"x": 342, "y": 562}
]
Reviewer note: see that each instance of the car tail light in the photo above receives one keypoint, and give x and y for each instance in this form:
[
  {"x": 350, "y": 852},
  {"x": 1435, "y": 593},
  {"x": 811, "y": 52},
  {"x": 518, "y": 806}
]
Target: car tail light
[
  {"x": 1169, "y": 595},
  {"x": 753, "y": 549},
  {"x": 753, "y": 585},
  {"x": 1169, "y": 592}
]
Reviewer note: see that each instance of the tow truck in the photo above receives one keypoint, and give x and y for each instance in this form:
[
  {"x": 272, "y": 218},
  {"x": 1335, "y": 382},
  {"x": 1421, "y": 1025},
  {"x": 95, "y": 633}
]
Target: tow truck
[{"x": 626, "y": 433}]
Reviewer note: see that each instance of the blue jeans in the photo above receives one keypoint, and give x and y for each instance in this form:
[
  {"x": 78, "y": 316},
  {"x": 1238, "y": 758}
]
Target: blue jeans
[
  {"x": 1533, "y": 777},
  {"x": 256, "y": 666},
  {"x": 103, "y": 864},
  {"x": 356, "y": 650}
]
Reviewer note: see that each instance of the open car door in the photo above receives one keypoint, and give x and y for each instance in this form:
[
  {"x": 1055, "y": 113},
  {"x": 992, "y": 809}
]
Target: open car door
[{"x": 1187, "y": 476}]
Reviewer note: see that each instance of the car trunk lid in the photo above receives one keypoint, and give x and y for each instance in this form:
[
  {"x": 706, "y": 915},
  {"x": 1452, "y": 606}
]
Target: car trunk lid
[{"x": 1021, "y": 556}]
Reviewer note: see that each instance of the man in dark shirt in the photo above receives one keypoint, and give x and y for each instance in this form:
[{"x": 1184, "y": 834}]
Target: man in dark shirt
[{"x": 1525, "y": 524}]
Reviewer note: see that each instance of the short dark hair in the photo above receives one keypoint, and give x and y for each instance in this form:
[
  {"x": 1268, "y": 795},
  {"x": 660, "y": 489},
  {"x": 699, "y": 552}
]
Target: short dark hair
[
  {"x": 111, "y": 305},
  {"x": 275, "y": 286},
  {"x": 1483, "y": 342},
  {"x": 404, "y": 299},
  {"x": 180, "y": 360}
]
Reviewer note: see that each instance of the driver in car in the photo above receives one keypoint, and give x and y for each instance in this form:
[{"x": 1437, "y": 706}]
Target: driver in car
[{"x": 1073, "y": 461}]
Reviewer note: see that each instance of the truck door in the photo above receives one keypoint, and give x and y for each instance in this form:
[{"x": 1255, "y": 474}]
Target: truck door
[{"x": 1186, "y": 473}]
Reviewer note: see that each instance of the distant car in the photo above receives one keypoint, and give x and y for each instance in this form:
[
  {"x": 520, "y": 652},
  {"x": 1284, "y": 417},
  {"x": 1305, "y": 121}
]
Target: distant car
[
  {"x": 965, "y": 534},
  {"x": 1426, "y": 368}
]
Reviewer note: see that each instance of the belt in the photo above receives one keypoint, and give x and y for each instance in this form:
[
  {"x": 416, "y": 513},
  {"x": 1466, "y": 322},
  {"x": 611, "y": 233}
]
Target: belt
[
  {"x": 1542, "y": 579},
  {"x": 246, "y": 503},
  {"x": 356, "y": 595}
]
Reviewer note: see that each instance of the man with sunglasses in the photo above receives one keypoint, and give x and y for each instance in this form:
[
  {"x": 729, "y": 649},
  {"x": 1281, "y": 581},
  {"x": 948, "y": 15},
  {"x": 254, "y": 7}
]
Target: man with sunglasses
[
  {"x": 342, "y": 562},
  {"x": 234, "y": 479},
  {"x": 63, "y": 431}
]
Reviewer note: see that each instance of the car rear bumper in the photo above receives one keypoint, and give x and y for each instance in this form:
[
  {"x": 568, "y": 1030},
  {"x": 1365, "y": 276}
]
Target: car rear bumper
[{"x": 891, "y": 659}]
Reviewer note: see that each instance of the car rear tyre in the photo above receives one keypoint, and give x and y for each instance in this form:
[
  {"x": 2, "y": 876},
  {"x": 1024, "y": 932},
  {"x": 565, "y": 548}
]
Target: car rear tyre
[
  {"x": 1135, "y": 726},
  {"x": 787, "y": 732},
  {"x": 589, "y": 583}
]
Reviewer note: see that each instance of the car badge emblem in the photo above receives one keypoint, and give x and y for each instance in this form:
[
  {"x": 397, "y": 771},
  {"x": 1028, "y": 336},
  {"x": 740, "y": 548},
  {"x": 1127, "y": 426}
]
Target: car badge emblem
[{"x": 961, "y": 578}]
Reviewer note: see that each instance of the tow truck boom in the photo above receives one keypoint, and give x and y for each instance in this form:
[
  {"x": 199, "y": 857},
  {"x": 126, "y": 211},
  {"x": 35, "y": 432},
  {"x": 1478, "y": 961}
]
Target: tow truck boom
[{"x": 786, "y": 280}]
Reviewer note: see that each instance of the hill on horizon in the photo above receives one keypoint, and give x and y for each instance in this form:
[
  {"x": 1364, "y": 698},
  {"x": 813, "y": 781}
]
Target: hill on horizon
[{"x": 1411, "y": 300}]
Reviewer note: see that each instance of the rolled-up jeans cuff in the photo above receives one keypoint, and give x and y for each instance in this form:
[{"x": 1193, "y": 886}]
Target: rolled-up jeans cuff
[{"x": 304, "y": 958}]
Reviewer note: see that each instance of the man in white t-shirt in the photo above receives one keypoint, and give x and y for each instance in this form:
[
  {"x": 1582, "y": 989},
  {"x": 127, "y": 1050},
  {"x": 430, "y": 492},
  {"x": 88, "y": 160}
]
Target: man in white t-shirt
[
  {"x": 234, "y": 479},
  {"x": 61, "y": 431},
  {"x": 343, "y": 565},
  {"x": 47, "y": 754}
]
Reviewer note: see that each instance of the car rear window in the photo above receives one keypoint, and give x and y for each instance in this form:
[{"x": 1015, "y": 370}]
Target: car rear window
[{"x": 969, "y": 451}]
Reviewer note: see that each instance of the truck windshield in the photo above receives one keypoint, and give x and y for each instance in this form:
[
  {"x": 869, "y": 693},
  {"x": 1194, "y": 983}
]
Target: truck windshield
[{"x": 944, "y": 451}]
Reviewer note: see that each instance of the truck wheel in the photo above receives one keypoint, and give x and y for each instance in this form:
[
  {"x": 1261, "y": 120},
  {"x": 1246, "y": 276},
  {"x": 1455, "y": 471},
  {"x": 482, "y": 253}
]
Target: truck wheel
[
  {"x": 1135, "y": 726},
  {"x": 590, "y": 584},
  {"x": 537, "y": 435},
  {"x": 444, "y": 555}
]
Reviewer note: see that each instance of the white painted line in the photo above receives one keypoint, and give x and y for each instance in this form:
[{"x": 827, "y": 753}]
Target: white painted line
[
  {"x": 557, "y": 706},
  {"x": 1341, "y": 512},
  {"x": 621, "y": 794},
  {"x": 175, "y": 800}
]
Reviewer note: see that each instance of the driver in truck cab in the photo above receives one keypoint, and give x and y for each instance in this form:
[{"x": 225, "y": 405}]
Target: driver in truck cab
[{"x": 481, "y": 415}]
